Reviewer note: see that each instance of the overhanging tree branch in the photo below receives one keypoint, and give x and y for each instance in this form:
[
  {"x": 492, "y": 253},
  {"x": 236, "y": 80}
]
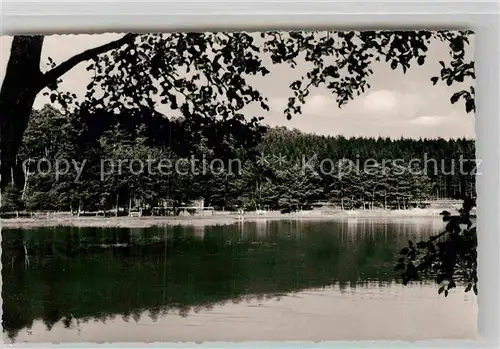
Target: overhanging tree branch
[{"x": 52, "y": 75}]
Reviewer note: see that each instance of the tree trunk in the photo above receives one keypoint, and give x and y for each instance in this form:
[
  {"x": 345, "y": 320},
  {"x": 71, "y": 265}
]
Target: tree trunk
[
  {"x": 25, "y": 187},
  {"x": 12, "y": 174},
  {"x": 21, "y": 84},
  {"x": 116, "y": 213},
  {"x": 446, "y": 194}
]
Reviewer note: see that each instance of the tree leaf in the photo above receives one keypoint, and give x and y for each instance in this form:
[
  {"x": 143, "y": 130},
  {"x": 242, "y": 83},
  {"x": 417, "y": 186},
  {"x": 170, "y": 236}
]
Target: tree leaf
[
  {"x": 455, "y": 97},
  {"x": 470, "y": 105}
]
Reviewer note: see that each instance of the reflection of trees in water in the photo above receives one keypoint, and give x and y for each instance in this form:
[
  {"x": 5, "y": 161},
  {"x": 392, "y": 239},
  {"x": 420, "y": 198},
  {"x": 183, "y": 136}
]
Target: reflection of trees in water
[{"x": 77, "y": 275}]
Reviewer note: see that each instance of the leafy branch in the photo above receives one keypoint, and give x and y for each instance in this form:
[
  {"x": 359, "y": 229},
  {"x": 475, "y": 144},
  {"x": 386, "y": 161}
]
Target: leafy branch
[{"x": 449, "y": 257}]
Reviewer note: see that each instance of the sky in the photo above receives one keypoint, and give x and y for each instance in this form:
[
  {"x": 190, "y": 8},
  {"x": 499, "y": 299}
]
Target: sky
[{"x": 397, "y": 105}]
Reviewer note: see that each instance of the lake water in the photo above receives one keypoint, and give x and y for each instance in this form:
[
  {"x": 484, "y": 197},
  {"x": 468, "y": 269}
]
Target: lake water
[{"x": 263, "y": 280}]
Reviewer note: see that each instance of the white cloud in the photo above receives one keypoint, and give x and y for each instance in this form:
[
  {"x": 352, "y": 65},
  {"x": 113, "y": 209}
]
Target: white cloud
[
  {"x": 319, "y": 105},
  {"x": 390, "y": 104},
  {"x": 277, "y": 104},
  {"x": 380, "y": 101},
  {"x": 428, "y": 120}
]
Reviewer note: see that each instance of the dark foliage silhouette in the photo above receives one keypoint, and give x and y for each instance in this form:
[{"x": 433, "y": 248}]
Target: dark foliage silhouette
[{"x": 449, "y": 257}]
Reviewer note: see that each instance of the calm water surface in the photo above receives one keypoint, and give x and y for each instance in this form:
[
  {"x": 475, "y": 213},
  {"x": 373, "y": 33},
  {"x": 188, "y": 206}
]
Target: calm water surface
[{"x": 264, "y": 280}]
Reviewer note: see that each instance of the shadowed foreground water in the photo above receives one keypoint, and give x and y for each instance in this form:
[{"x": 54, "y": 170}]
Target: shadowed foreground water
[{"x": 265, "y": 280}]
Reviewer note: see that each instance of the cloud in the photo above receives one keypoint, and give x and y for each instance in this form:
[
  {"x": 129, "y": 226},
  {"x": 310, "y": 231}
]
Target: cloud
[
  {"x": 391, "y": 104},
  {"x": 428, "y": 120},
  {"x": 381, "y": 101},
  {"x": 319, "y": 105},
  {"x": 385, "y": 113},
  {"x": 277, "y": 104}
]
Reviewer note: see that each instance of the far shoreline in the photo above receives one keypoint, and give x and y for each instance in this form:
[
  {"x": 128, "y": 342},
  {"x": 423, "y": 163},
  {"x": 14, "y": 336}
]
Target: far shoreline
[{"x": 216, "y": 219}]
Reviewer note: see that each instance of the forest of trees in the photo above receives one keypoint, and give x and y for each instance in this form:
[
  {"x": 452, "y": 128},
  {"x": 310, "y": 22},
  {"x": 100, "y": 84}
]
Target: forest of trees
[{"x": 277, "y": 168}]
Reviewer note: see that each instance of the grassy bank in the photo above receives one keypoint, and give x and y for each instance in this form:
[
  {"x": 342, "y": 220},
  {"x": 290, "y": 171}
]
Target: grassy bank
[{"x": 216, "y": 219}]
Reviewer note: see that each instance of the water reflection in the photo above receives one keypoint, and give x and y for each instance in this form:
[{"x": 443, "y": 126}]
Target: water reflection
[{"x": 79, "y": 274}]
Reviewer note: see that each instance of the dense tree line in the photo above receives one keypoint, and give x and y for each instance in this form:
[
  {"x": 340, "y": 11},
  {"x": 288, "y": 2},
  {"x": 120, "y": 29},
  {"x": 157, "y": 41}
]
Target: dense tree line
[
  {"x": 408, "y": 169},
  {"x": 110, "y": 160}
]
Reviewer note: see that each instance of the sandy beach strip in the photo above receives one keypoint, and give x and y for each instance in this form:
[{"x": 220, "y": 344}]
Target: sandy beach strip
[{"x": 216, "y": 219}]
